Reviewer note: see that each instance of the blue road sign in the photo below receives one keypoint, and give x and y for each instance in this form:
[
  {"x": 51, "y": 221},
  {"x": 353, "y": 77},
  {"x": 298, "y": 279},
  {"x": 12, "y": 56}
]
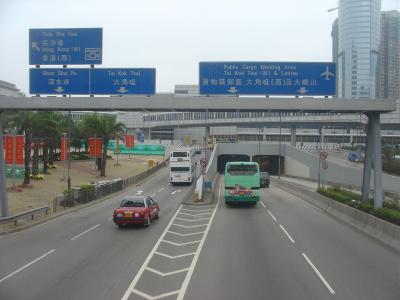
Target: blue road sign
[
  {"x": 123, "y": 81},
  {"x": 268, "y": 78},
  {"x": 59, "y": 81},
  {"x": 65, "y": 46}
]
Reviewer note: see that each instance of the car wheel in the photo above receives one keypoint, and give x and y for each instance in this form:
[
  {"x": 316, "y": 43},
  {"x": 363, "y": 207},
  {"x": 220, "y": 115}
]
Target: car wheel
[
  {"x": 120, "y": 225},
  {"x": 147, "y": 222},
  {"x": 267, "y": 185}
]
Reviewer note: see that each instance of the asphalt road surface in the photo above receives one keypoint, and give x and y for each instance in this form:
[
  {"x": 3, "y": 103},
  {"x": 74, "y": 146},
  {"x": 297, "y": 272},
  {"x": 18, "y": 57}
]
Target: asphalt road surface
[{"x": 283, "y": 248}]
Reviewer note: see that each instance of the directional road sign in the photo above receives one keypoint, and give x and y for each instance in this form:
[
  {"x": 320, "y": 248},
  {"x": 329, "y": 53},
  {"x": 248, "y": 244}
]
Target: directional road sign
[
  {"x": 323, "y": 155},
  {"x": 63, "y": 81},
  {"x": 59, "y": 81},
  {"x": 268, "y": 78},
  {"x": 65, "y": 46},
  {"x": 123, "y": 81}
]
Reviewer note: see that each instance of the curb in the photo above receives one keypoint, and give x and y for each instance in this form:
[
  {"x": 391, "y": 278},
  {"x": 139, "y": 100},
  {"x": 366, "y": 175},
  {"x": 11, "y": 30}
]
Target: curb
[
  {"x": 208, "y": 198},
  {"x": 385, "y": 232},
  {"x": 79, "y": 206}
]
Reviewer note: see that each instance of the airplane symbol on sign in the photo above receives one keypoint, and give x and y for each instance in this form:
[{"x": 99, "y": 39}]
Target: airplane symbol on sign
[{"x": 327, "y": 73}]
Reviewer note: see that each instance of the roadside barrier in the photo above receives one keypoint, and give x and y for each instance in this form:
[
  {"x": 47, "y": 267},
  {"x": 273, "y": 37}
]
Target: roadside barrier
[
  {"x": 101, "y": 189},
  {"x": 384, "y": 231},
  {"x": 30, "y": 213}
]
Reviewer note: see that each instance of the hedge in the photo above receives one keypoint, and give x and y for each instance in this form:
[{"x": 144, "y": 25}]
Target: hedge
[{"x": 389, "y": 212}]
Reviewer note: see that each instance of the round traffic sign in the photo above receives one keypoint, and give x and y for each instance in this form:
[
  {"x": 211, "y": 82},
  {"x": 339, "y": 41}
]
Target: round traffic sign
[
  {"x": 323, "y": 155},
  {"x": 204, "y": 162}
]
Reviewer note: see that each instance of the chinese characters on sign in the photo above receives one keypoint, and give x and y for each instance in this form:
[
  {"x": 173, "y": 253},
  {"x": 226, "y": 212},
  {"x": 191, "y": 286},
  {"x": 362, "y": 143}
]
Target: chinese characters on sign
[
  {"x": 92, "y": 81},
  {"x": 65, "y": 46},
  {"x": 267, "y": 78},
  {"x": 64, "y": 148}
]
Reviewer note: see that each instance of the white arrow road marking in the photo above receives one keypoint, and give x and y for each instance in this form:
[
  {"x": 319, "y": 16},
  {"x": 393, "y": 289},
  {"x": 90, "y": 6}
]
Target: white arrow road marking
[
  {"x": 174, "y": 256},
  {"x": 173, "y": 193},
  {"x": 166, "y": 274},
  {"x": 180, "y": 244},
  {"x": 188, "y": 220},
  {"x": 179, "y": 191},
  {"x": 27, "y": 265},
  {"x": 139, "y": 192},
  {"x": 185, "y": 234},
  {"x": 148, "y": 297}
]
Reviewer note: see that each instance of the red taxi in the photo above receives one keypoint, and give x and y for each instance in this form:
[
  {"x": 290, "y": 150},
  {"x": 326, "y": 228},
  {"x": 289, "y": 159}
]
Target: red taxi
[{"x": 136, "y": 210}]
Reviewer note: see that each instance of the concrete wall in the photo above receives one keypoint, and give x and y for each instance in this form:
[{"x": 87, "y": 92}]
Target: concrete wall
[{"x": 304, "y": 164}]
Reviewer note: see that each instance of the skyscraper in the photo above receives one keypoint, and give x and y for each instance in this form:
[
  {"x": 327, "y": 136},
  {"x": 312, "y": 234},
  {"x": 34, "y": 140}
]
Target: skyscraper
[
  {"x": 389, "y": 56},
  {"x": 358, "y": 48}
]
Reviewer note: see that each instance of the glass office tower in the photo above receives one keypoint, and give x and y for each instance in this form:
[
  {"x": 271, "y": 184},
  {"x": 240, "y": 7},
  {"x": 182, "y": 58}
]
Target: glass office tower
[{"x": 359, "y": 37}]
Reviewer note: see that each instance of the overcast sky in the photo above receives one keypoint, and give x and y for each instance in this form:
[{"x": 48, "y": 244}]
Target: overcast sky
[{"x": 173, "y": 36}]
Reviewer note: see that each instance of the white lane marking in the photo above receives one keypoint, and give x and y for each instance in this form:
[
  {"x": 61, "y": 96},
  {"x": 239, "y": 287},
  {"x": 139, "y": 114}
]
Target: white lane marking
[
  {"x": 287, "y": 234},
  {"x": 297, "y": 198},
  {"x": 179, "y": 191},
  {"x": 198, "y": 251},
  {"x": 27, "y": 265},
  {"x": 174, "y": 256},
  {"x": 263, "y": 205},
  {"x": 192, "y": 220},
  {"x": 191, "y": 226},
  {"x": 195, "y": 214},
  {"x": 197, "y": 210},
  {"x": 272, "y": 216},
  {"x": 86, "y": 231},
  {"x": 180, "y": 244},
  {"x": 185, "y": 234},
  {"x": 135, "y": 280},
  {"x": 173, "y": 193},
  {"x": 330, "y": 289},
  {"x": 148, "y": 297},
  {"x": 166, "y": 274},
  {"x": 160, "y": 190},
  {"x": 139, "y": 192}
]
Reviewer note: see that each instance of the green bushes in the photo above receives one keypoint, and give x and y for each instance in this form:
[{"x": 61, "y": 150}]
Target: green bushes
[
  {"x": 391, "y": 166},
  {"x": 389, "y": 212}
]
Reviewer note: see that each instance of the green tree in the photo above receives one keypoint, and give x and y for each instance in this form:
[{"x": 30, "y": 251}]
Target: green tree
[{"x": 105, "y": 127}]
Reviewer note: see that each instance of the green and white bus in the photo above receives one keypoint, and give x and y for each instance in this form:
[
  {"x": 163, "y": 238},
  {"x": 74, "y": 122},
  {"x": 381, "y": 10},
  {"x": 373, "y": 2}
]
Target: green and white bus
[{"x": 242, "y": 182}]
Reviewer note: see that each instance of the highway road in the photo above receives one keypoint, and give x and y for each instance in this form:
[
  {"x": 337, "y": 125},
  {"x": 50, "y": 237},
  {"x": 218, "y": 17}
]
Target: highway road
[{"x": 283, "y": 248}]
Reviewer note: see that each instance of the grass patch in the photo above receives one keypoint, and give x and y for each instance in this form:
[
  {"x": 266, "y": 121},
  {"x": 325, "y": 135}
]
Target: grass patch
[{"x": 389, "y": 212}]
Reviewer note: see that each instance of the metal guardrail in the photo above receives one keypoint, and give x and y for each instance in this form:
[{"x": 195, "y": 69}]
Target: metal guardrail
[
  {"x": 104, "y": 189},
  {"x": 30, "y": 213}
]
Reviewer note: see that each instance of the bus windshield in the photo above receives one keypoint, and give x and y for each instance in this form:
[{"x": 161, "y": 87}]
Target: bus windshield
[
  {"x": 180, "y": 169},
  {"x": 242, "y": 170},
  {"x": 179, "y": 154}
]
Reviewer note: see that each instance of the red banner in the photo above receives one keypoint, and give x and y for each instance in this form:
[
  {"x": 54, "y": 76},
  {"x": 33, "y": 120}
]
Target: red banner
[
  {"x": 9, "y": 149},
  {"x": 64, "y": 148},
  {"x": 19, "y": 149},
  {"x": 95, "y": 147},
  {"x": 11, "y": 145},
  {"x": 129, "y": 141}
]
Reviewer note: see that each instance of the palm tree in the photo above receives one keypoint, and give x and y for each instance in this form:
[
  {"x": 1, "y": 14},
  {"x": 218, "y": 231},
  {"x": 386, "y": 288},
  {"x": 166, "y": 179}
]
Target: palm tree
[{"x": 105, "y": 127}]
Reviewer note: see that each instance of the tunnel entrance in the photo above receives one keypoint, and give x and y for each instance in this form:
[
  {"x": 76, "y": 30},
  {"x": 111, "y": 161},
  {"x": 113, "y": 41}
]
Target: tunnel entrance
[
  {"x": 269, "y": 163},
  {"x": 223, "y": 159}
]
